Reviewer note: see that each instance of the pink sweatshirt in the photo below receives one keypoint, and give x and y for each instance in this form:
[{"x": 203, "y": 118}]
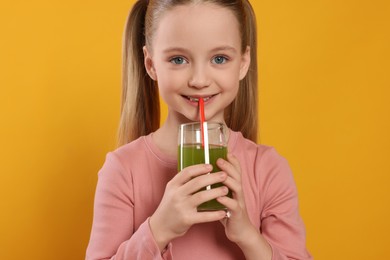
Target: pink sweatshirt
[{"x": 132, "y": 182}]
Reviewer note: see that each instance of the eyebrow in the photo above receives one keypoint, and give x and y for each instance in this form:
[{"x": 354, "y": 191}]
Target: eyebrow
[
  {"x": 175, "y": 49},
  {"x": 224, "y": 48},
  {"x": 220, "y": 48}
]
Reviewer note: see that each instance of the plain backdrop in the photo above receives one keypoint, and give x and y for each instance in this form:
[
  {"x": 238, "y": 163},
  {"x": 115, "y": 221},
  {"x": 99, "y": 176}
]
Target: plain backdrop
[{"x": 324, "y": 105}]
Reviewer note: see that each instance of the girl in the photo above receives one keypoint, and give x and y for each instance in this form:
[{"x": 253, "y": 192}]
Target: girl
[{"x": 144, "y": 209}]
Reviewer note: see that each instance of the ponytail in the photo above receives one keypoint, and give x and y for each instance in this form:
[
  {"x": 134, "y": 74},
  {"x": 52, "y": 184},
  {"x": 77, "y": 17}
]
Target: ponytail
[
  {"x": 140, "y": 106},
  {"x": 242, "y": 114}
]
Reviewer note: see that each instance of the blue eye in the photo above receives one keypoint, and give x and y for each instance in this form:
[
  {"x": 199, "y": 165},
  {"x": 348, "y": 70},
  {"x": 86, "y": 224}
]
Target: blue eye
[
  {"x": 178, "y": 60},
  {"x": 219, "y": 60}
]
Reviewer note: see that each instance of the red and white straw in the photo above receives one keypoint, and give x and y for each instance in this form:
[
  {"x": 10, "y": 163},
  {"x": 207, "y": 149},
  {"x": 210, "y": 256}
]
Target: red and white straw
[{"x": 204, "y": 134}]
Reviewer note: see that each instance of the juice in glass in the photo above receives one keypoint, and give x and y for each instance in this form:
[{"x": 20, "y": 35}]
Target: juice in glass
[{"x": 192, "y": 151}]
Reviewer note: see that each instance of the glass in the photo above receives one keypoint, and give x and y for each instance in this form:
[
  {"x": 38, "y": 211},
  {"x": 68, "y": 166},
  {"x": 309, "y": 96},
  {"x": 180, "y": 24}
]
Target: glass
[{"x": 192, "y": 150}]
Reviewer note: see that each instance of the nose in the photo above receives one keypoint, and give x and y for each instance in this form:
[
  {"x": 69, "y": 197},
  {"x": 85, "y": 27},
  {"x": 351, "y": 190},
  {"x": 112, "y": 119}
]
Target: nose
[{"x": 199, "y": 77}]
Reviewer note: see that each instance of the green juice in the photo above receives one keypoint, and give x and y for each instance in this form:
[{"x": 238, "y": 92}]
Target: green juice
[{"x": 192, "y": 154}]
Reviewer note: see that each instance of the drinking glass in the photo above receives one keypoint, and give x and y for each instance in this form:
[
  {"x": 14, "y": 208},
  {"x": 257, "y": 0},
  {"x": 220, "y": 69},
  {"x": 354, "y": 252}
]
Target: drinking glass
[{"x": 193, "y": 149}]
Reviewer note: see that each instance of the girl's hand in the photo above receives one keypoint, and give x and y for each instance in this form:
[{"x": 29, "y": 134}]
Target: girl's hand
[
  {"x": 238, "y": 227},
  {"x": 177, "y": 211}
]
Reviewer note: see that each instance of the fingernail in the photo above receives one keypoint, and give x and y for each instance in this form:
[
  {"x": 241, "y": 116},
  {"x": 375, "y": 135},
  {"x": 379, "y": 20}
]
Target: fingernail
[{"x": 221, "y": 161}]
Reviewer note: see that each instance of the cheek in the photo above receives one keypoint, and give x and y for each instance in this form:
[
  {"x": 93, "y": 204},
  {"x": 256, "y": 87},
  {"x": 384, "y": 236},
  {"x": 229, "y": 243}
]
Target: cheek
[
  {"x": 170, "y": 81},
  {"x": 169, "y": 86},
  {"x": 229, "y": 81}
]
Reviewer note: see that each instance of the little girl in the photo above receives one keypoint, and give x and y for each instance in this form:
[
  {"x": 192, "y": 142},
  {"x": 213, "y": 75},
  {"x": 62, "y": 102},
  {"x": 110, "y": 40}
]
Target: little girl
[{"x": 185, "y": 50}]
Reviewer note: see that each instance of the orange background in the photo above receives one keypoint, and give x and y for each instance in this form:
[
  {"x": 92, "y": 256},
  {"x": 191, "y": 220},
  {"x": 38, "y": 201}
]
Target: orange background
[{"x": 324, "y": 104}]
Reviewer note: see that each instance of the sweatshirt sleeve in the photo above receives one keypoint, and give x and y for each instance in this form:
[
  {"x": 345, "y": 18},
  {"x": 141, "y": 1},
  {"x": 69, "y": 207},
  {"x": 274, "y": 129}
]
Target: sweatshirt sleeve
[
  {"x": 113, "y": 235},
  {"x": 281, "y": 224}
]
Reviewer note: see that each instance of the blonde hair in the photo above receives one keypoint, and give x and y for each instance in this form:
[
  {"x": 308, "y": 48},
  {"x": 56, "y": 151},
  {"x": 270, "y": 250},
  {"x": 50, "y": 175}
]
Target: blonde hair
[{"x": 140, "y": 107}]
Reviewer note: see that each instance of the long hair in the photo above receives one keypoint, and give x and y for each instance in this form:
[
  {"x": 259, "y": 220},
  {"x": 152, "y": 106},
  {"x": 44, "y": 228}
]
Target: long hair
[
  {"x": 140, "y": 104},
  {"x": 140, "y": 108}
]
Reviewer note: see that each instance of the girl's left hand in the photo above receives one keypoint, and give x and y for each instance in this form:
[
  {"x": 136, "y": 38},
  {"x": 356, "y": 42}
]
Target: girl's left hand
[{"x": 238, "y": 226}]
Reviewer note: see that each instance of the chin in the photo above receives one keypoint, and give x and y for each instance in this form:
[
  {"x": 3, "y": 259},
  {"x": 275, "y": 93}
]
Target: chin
[{"x": 185, "y": 118}]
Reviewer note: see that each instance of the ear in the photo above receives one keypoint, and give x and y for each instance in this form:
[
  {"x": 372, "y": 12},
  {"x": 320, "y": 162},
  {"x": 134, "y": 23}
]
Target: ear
[
  {"x": 148, "y": 62},
  {"x": 245, "y": 62}
]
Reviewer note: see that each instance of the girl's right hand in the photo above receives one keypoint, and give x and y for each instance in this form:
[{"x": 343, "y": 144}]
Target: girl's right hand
[{"x": 177, "y": 211}]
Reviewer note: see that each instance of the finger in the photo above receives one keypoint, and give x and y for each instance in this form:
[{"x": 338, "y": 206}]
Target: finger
[
  {"x": 229, "y": 168},
  {"x": 231, "y": 204},
  {"x": 202, "y": 181},
  {"x": 191, "y": 172},
  {"x": 209, "y": 216},
  {"x": 207, "y": 195},
  {"x": 234, "y": 161},
  {"x": 233, "y": 185},
  {"x": 238, "y": 194}
]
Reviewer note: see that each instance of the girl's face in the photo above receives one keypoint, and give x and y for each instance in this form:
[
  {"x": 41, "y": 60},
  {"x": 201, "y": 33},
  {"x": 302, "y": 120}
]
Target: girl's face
[{"x": 196, "y": 52}]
